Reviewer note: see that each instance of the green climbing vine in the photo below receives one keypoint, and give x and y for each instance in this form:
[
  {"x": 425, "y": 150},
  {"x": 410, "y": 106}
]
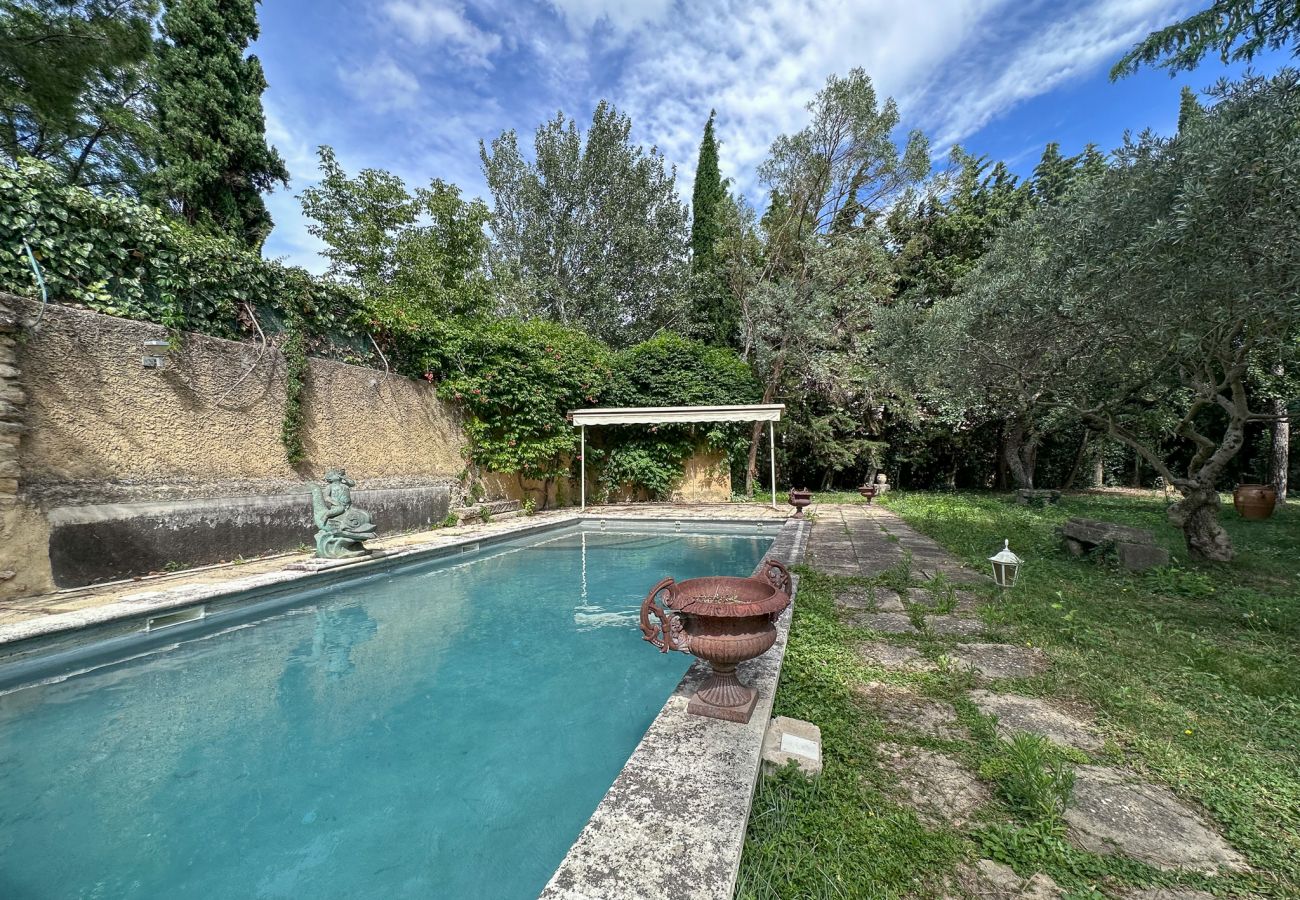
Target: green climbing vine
[{"x": 296, "y": 367}]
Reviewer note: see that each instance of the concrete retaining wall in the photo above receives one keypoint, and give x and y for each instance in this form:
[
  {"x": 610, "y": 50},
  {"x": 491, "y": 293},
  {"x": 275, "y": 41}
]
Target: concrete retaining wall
[{"x": 110, "y": 469}]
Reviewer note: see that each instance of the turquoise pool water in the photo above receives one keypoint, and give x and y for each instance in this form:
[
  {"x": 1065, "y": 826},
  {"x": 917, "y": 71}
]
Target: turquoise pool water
[{"x": 440, "y": 731}]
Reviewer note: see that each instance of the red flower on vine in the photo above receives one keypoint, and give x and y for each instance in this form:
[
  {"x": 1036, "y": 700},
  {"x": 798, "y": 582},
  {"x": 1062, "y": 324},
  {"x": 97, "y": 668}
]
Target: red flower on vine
[{"x": 428, "y": 376}]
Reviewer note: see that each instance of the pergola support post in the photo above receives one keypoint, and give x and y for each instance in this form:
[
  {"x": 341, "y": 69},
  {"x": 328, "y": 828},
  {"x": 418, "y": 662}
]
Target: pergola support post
[
  {"x": 582, "y": 461},
  {"x": 771, "y": 457}
]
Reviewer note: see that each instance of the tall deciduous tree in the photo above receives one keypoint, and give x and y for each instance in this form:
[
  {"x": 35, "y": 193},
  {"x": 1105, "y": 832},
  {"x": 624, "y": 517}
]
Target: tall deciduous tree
[
  {"x": 74, "y": 87},
  {"x": 214, "y": 163},
  {"x": 591, "y": 231},
  {"x": 824, "y": 264},
  {"x": 416, "y": 256},
  {"x": 1238, "y": 30}
]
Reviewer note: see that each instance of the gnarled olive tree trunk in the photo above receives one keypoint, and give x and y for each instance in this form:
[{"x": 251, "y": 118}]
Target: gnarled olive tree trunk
[
  {"x": 1020, "y": 451},
  {"x": 1197, "y": 516}
]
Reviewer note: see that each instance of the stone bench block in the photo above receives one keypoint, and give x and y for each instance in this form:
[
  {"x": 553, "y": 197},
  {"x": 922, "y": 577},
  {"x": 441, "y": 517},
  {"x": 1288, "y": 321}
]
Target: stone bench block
[{"x": 792, "y": 739}]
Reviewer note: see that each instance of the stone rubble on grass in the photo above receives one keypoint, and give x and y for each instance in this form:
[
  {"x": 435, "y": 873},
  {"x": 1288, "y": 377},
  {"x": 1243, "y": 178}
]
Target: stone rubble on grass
[
  {"x": 903, "y": 706},
  {"x": 894, "y": 657},
  {"x": 938, "y": 787},
  {"x": 1000, "y": 660},
  {"x": 1015, "y": 713},
  {"x": 1110, "y": 813}
]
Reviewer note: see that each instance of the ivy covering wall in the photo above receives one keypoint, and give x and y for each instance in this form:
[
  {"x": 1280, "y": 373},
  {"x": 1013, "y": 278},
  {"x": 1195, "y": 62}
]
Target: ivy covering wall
[{"x": 515, "y": 379}]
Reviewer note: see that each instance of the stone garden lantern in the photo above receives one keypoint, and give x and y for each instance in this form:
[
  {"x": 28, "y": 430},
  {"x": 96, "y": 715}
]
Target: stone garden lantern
[{"x": 1006, "y": 566}]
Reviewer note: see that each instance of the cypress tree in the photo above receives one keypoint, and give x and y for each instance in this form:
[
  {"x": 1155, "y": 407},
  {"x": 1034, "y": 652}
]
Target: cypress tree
[
  {"x": 1190, "y": 110},
  {"x": 214, "y": 163},
  {"x": 709, "y": 193},
  {"x": 715, "y": 314},
  {"x": 1053, "y": 174}
]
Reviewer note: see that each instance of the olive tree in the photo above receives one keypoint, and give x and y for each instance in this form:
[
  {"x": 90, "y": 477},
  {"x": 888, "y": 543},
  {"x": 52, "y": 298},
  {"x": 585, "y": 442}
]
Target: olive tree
[{"x": 1142, "y": 304}]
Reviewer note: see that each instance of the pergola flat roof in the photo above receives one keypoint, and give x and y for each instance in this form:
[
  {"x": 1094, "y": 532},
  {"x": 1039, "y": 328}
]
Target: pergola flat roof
[{"x": 663, "y": 415}]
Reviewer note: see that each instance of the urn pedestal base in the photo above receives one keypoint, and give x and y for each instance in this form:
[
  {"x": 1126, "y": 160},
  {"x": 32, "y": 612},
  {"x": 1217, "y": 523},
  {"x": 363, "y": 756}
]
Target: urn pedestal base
[{"x": 722, "y": 696}]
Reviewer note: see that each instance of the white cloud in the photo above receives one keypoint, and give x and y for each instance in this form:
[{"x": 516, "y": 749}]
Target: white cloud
[
  {"x": 382, "y": 83},
  {"x": 621, "y": 15},
  {"x": 440, "y": 23},
  {"x": 1094, "y": 36},
  {"x": 953, "y": 65}
]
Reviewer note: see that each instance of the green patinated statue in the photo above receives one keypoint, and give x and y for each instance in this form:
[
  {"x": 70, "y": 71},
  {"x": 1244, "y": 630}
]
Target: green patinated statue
[{"x": 340, "y": 528}]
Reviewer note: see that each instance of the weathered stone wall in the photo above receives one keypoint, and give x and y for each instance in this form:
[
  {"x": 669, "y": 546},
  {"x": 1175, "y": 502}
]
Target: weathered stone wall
[
  {"x": 706, "y": 478},
  {"x": 130, "y": 466}
]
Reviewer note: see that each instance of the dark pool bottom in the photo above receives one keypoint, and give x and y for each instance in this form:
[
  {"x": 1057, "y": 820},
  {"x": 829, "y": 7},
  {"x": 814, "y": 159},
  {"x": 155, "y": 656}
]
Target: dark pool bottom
[{"x": 443, "y": 730}]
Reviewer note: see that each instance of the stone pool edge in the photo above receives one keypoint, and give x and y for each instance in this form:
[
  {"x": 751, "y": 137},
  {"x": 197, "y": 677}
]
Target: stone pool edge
[{"x": 672, "y": 825}]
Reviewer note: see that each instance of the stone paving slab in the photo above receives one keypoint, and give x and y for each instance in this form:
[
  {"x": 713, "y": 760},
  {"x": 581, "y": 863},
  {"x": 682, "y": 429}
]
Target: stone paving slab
[
  {"x": 955, "y": 626},
  {"x": 900, "y": 705},
  {"x": 888, "y": 623},
  {"x": 941, "y": 789},
  {"x": 967, "y": 603},
  {"x": 1016, "y": 713},
  {"x": 1111, "y": 813},
  {"x": 1000, "y": 660},
  {"x": 894, "y": 657},
  {"x": 990, "y": 880}
]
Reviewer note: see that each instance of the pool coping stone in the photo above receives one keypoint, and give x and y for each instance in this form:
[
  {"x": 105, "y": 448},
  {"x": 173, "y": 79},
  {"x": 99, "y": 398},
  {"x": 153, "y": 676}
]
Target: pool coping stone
[{"x": 672, "y": 826}]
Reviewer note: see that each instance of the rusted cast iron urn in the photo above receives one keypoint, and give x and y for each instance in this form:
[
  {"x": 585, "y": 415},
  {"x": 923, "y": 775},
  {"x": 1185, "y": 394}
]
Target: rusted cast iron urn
[
  {"x": 800, "y": 500},
  {"x": 868, "y": 491},
  {"x": 723, "y": 621},
  {"x": 1254, "y": 501}
]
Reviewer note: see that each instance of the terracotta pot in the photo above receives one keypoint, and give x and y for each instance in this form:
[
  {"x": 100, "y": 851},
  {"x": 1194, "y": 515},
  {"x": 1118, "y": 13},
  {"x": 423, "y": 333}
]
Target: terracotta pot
[
  {"x": 868, "y": 491},
  {"x": 1254, "y": 501},
  {"x": 723, "y": 634},
  {"x": 800, "y": 500}
]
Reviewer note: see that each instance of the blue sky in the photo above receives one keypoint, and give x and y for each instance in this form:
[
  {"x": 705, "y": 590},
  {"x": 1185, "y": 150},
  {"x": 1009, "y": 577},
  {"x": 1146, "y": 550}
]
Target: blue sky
[{"x": 412, "y": 85}]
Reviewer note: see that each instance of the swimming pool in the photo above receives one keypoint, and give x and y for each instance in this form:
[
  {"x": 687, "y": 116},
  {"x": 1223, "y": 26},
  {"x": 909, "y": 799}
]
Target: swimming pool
[{"x": 443, "y": 729}]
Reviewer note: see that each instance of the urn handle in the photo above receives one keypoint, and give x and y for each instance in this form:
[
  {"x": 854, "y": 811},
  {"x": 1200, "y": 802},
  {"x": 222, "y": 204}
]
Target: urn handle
[
  {"x": 667, "y": 633},
  {"x": 778, "y": 576}
]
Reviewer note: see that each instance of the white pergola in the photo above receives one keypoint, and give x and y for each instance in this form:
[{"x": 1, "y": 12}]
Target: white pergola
[{"x": 676, "y": 415}]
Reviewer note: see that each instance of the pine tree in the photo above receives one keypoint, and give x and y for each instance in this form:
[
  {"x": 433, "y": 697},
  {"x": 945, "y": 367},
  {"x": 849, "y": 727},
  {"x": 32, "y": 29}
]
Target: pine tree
[
  {"x": 214, "y": 161},
  {"x": 716, "y": 317}
]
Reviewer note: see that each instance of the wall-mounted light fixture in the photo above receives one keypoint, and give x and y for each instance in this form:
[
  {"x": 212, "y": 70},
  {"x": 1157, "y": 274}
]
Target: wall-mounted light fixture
[{"x": 155, "y": 354}]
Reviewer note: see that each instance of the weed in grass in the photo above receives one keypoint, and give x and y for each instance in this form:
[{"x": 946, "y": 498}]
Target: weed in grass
[
  {"x": 1034, "y": 780},
  {"x": 916, "y": 615},
  {"x": 899, "y": 575},
  {"x": 944, "y": 593}
]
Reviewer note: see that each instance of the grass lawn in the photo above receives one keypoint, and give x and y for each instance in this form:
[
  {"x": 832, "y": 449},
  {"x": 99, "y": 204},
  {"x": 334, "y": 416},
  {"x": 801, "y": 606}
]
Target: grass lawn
[{"x": 1192, "y": 672}]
